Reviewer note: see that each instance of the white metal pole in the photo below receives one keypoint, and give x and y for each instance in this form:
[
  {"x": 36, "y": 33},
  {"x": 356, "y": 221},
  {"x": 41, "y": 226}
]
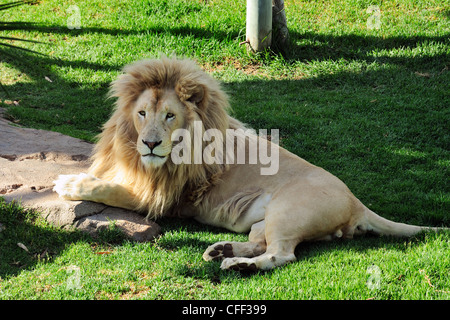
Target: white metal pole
[{"x": 259, "y": 24}]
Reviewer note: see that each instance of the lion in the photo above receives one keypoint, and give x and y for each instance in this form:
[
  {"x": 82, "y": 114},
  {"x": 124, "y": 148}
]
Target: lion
[{"x": 133, "y": 168}]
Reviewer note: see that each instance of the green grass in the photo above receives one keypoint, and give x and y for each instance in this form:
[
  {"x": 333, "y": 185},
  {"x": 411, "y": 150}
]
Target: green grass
[{"x": 370, "y": 106}]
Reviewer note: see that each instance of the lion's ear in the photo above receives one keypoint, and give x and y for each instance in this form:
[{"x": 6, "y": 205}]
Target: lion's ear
[
  {"x": 197, "y": 95},
  {"x": 190, "y": 91}
]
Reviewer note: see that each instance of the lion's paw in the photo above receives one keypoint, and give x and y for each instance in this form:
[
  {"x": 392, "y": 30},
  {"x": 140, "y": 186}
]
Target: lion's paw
[
  {"x": 219, "y": 251},
  {"x": 74, "y": 187},
  {"x": 239, "y": 264}
]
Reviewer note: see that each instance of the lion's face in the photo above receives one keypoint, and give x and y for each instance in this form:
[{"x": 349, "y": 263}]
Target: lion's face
[{"x": 157, "y": 113}]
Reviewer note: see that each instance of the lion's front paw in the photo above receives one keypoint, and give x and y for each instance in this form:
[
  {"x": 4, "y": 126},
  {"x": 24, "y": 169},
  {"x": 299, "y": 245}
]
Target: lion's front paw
[{"x": 74, "y": 187}]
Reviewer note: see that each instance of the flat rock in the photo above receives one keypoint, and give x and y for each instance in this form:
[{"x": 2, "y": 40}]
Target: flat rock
[
  {"x": 131, "y": 225},
  {"x": 31, "y": 159}
]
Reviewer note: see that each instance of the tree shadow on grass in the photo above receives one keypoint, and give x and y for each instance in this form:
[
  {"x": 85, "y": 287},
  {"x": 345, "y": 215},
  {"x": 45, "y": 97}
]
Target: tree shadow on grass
[
  {"x": 310, "y": 46},
  {"x": 23, "y": 244},
  {"x": 70, "y": 107},
  {"x": 26, "y": 240},
  {"x": 179, "y": 31}
]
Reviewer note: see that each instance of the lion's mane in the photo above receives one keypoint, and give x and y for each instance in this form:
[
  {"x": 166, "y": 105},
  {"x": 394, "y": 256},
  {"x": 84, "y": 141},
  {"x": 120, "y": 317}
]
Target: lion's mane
[{"x": 158, "y": 190}]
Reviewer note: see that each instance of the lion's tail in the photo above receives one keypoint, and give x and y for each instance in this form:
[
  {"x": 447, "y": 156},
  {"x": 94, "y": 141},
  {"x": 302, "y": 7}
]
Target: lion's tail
[{"x": 382, "y": 226}]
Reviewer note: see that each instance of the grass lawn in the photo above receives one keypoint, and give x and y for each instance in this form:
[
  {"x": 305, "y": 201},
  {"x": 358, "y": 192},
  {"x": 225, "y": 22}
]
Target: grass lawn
[{"x": 369, "y": 105}]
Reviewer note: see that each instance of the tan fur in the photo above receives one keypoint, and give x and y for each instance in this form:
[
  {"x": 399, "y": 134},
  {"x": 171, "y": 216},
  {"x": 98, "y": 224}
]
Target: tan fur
[
  {"x": 234, "y": 207},
  {"x": 301, "y": 202}
]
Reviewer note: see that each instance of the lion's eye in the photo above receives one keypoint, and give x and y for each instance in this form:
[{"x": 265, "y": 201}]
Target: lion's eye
[
  {"x": 170, "y": 116},
  {"x": 142, "y": 113}
]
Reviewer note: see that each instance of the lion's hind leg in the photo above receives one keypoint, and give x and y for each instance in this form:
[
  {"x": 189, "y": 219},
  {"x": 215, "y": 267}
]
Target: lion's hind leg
[
  {"x": 275, "y": 256},
  {"x": 226, "y": 249},
  {"x": 282, "y": 233}
]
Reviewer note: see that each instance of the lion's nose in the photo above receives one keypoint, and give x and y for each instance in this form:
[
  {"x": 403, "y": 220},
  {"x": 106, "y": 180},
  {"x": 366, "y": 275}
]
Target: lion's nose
[{"x": 151, "y": 144}]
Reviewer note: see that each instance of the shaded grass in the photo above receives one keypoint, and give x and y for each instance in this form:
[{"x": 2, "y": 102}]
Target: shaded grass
[{"x": 370, "y": 106}]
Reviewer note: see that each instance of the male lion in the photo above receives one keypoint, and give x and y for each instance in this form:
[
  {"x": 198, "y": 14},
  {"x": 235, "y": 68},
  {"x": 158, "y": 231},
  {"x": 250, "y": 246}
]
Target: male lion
[{"x": 133, "y": 169}]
